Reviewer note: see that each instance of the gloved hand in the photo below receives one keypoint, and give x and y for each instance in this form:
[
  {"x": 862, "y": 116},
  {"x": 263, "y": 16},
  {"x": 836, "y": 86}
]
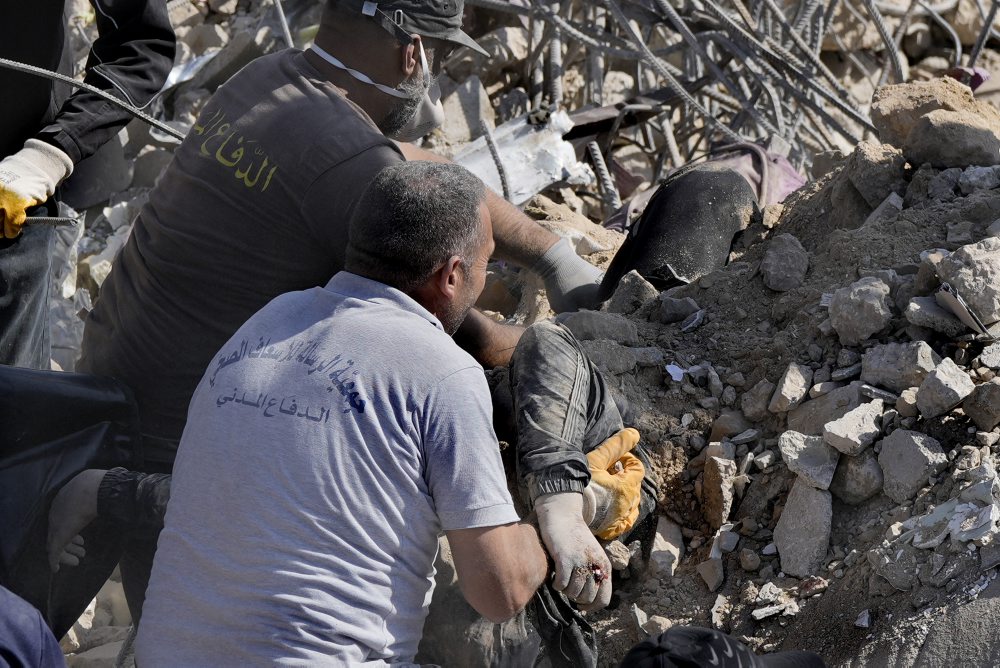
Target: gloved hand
[
  {"x": 571, "y": 283},
  {"x": 583, "y": 572},
  {"x": 611, "y": 500},
  {"x": 73, "y": 508},
  {"x": 28, "y": 178}
]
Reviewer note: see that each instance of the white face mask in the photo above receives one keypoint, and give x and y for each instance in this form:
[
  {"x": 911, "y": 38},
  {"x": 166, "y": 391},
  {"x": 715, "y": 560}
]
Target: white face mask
[{"x": 428, "y": 116}]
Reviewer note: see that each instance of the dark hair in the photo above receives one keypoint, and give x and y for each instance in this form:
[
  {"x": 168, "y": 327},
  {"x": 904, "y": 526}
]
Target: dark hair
[{"x": 413, "y": 217}]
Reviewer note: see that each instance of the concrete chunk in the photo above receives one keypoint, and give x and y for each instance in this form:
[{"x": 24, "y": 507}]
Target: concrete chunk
[
  {"x": 897, "y": 366},
  {"x": 808, "y": 456},
  {"x": 943, "y": 389},
  {"x": 855, "y": 430},
  {"x": 668, "y": 546},
  {"x": 717, "y": 489},
  {"x": 860, "y": 310},
  {"x": 983, "y": 405},
  {"x": 802, "y": 534},
  {"x": 755, "y": 400},
  {"x": 857, "y": 478},
  {"x": 908, "y": 459},
  {"x": 810, "y": 417},
  {"x": 785, "y": 263},
  {"x": 791, "y": 389}
]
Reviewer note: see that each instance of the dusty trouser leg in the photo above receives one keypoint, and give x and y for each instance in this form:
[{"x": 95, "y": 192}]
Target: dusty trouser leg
[{"x": 563, "y": 410}]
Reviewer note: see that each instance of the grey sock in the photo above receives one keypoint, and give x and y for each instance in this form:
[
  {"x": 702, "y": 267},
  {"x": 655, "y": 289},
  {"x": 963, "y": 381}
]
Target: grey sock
[{"x": 571, "y": 282}]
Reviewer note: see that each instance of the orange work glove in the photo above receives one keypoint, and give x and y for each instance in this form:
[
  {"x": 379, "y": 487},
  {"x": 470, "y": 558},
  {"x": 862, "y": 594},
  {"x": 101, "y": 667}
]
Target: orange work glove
[{"x": 611, "y": 500}]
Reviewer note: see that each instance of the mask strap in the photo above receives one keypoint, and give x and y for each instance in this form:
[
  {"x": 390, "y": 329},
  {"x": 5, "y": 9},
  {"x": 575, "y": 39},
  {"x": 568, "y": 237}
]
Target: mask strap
[{"x": 364, "y": 78}]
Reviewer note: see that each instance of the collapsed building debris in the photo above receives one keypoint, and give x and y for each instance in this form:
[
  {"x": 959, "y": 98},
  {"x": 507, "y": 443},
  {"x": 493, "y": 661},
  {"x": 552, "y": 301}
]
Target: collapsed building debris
[{"x": 823, "y": 411}]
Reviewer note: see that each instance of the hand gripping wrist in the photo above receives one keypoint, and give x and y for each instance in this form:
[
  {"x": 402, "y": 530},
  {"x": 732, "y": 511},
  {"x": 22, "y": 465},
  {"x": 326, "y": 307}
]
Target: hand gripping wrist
[{"x": 582, "y": 570}]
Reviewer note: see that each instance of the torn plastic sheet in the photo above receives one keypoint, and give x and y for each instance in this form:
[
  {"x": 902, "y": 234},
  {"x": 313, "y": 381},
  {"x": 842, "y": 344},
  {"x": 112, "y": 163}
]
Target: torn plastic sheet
[{"x": 533, "y": 156}]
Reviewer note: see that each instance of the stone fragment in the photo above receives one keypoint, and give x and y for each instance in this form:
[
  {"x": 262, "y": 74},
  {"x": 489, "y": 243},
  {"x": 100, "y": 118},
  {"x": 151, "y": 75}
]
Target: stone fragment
[
  {"x": 819, "y": 389},
  {"x": 953, "y": 139},
  {"x": 983, "y": 405},
  {"x": 872, "y": 392},
  {"x": 906, "y": 405},
  {"x": 718, "y": 490},
  {"x": 991, "y": 356},
  {"x": 802, "y": 535},
  {"x": 942, "y": 186},
  {"x": 769, "y": 611},
  {"x": 609, "y": 356},
  {"x": 465, "y": 105},
  {"x": 978, "y": 178},
  {"x": 656, "y": 625},
  {"x": 994, "y": 229},
  {"x": 791, "y": 389},
  {"x": 676, "y": 310},
  {"x": 755, "y": 400},
  {"x": 668, "y": 546},
  {"x": 728, "y": 540},
  {"x": 590, "y": 325},
  {"x": 925, "y": 312},
  {"x": 876, "y": 171},
  {"x": 618, "y": 555},
  {"x": 974, "y": 272},
  {"x": 908, "y": 459},
  {"x": 808, "y": 456},
  {"x": 749, "y": 560},
  {"x": 762, "y": 461},
  {"x": 857, "y": 478},
  {"x": 847, "y": 357},
  {"x": 633, "y": 292},
  {"x": 810, "y": 417},
  {"x": 897, "y": 366},
  {"x": 943, "y": 389},
  {"x": 897, "y": 108},
  {"x": 712, "y": 572},
  {"x": 846, "y": 373},
  {"x": 785, "y": 263},
  {"x": 960, "y": 233},
  {"x": 860, "y": 310},
  {"x": 855, "y": 430}
]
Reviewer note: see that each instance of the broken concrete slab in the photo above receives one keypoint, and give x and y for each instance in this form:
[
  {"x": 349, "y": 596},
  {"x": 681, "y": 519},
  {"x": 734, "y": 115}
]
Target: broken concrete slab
[
  {"x": 632, "y": 294},
  {"x": 593, "y": 325},
  {"x": 897, "y": 366},
  {"x": 810, "y": 457},
  {"x": 945, "y": 138},
  {"x": 857, "y": 429},
  {"x": 609, "y": 356},
  {"x": 908, "y": 459},
  {"x": 802, "y": 535},
  {"x": 860, "y": 310},
  {"x": 755, "y": 400},
  {"x": 857, "y": 478},
  {"x": 926, "y": 312},
  {"x": 791, "y": 389},
  {"x": 668, "y": 547},
  {"x": 944, "y": 388}
]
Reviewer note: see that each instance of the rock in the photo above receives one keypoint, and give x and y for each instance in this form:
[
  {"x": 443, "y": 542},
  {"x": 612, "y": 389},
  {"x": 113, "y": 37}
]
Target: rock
[
  {"x": 942, "y": 186},
  {"x": 906, "y": 405},
  {"x": 186, "y": 14},
  {"x": 506, "y": 46},
  {"x": 898, "y": 366},
  {"x": 860, "y": 310},
  {"x": 668, "y": 547},
  {"x": 728, "y": 540},
  {"x": 728, "y": 424},
  {"x": 978, "y": 178},
  {"x": 994, "y": 229},
  {"x": 846, "y": 373},
  {"x": 631, "y": 294},
  {"x": 675, "y": 310},
  {"x": 983, "y": 405},
  {"x": 991, "y": 356},
  {"x": 206, "y": 36},
  {"x": 855, "y": 430},
  {"x": 718, "y": 490},
  {"x": 876, "y": 171},
  {"x": 656, "y": 625},
  {"x": 810, "y": 457},
  {"x": 97, "y": 657},
  {"x": 590, "y": 325},
  {"x": 712, "y": 572},
  {"x": 791, "y": 389},
  {"x": 811, "y": 416},
  {"x": 609, "y": 356},
  {"x": 897, "y": 109},
  {"x": 749, "y": 560},
  {"x": 465, "y": 105},
  {"x": 908, "y": 459},
  {"x": 755, "y": 400},
  {"x": 974, "y": 272},
  {"x": 960, "y": 233},
  {"x": 618, "y": 555},
  {"x": 802, "y": 534},
  {"x": 785, "y": 263},
  {"x": 872, "y": 392},
  {"x": 943, "y": 389},
  {"x": 925, "y": 312},
  {"x": 857, "y": 478},
  {"x": 819, "y": 389},
  {"x": 223, "y": 6},
  {"x": 954, "y": 139}
]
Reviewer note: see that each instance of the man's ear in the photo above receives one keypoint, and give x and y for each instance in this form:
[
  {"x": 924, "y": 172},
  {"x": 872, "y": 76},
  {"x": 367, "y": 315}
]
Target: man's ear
[
  {"x": 411, "y": 56},
  {"x": 448, "y": 277}
]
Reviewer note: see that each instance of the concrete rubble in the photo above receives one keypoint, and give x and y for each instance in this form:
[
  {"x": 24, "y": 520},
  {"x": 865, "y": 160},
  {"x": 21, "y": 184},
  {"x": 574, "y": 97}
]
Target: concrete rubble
[{"x": 833, "y": 413}]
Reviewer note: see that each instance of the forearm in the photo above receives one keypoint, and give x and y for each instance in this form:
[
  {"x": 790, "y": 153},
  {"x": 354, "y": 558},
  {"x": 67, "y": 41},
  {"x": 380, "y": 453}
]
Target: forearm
[
  {"x": 131, "y": 60},
  {"x": 489, "y": 342},
  {"x": 133, "y": 499},
  {"x": 518, "y": 238}
]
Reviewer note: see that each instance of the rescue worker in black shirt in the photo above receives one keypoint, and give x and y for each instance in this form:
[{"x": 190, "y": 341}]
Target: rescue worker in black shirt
[{"x": 46, "y": 128}]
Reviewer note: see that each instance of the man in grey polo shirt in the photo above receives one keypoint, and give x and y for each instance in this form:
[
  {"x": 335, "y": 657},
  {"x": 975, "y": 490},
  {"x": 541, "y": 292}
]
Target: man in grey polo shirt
[{"x": 352, "y": 430}]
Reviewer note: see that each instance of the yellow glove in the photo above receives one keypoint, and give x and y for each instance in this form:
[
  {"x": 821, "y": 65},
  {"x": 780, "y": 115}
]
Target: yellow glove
[
  {"x": 611, "y": 500},
  {"x": 27, "y": 178}
]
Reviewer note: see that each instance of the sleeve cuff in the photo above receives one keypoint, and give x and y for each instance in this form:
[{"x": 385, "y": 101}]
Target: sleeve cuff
[
  {"x": 116, "y": 495},
  {"x": 537, "y": 488},
  {"x": 480, "y": 517}
]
